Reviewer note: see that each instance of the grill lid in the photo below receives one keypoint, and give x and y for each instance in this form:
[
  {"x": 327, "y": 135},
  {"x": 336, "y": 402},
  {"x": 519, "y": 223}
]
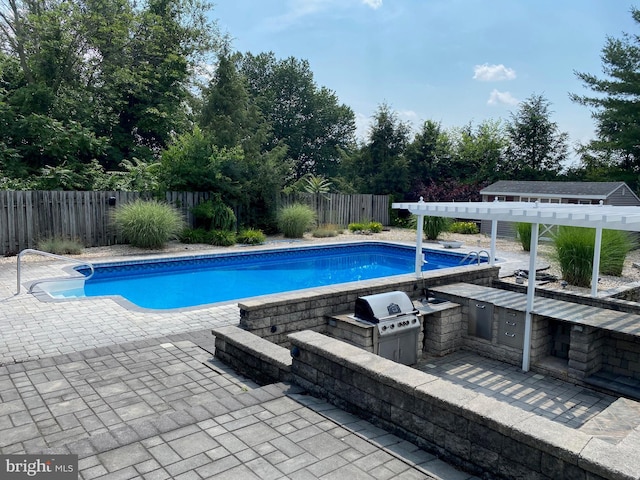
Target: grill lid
[{"x": 383, "y": 306}]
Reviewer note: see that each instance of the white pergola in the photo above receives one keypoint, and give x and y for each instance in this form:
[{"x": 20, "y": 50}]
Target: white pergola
[{"x": 598, "y": 217}]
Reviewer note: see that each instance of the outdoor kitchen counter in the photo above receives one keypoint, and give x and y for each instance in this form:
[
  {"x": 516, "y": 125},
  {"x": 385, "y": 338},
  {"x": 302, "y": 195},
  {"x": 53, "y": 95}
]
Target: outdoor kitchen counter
[
  {"x": 569, "y": 312},
  {"x": 429, "y": 308}
]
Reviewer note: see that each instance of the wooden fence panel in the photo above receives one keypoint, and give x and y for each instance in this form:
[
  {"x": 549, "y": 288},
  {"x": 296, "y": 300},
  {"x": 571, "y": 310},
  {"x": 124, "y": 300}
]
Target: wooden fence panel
[
  {"x": 26, "y": 217},
  {"x": 339, "y": 209}
]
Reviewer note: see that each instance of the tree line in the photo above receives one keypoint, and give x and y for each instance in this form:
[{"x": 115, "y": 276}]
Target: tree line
[{"x": 115, "y": 95}]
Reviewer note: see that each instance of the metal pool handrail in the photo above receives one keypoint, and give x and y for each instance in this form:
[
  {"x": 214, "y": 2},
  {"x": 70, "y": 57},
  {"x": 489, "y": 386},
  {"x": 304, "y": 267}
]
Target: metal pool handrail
[
  {"x": 51, "y": 255},
  {"x": 477, "y": 255}
]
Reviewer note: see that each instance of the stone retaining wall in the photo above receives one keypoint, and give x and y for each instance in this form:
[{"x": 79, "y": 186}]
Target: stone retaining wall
[
  {"x": 276, "y": 316},
  {"x": 252, "y": 356},
  {"x": 478, "y": 433}
]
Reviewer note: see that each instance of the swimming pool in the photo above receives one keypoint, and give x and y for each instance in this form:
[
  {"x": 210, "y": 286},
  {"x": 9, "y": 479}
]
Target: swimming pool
[{"x": 182, "y": 282}]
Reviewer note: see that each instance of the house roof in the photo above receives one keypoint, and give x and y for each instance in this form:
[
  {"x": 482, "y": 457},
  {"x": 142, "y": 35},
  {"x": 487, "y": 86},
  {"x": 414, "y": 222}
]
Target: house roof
[{"x": 592, "y": 190}]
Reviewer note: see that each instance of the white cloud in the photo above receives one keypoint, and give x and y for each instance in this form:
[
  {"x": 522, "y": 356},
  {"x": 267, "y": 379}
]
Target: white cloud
[
  {"x": 363, "y": 123},
  {"x": 375, "y": 4},
  {"x": 493, "y": 73},
  {"x": 297, "y": 10},
  {"x": 501, "y": 98},
  {"x": 408, "y": 115}
]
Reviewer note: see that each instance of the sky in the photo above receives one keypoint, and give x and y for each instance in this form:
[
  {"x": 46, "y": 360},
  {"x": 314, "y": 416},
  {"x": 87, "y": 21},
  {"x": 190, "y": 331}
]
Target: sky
[{"x": 451, "y": 61}]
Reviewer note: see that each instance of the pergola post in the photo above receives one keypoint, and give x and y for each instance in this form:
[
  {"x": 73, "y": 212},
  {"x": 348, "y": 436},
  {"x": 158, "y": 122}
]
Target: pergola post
[
  {"x": 419, "y": 257},
  {"x": 595, "y": 271},
  {"x": 531, "y": 291},
  {"x": 494, "y": 234}
]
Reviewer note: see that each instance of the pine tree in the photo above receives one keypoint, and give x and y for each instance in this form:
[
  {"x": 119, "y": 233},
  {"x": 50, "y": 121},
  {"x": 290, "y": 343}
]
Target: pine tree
[{"x": 616, "y": 106}]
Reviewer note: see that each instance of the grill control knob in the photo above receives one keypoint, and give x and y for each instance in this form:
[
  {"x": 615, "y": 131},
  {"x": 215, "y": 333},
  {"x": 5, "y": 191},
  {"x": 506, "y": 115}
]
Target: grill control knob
[
  {"x": 384, "y": 327},
  {"x": 414, "y": 320},
  {"x": 391, "y": 326}
]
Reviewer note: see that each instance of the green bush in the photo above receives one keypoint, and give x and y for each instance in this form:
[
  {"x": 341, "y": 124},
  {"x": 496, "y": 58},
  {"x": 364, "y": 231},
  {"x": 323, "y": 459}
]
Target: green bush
[
  {"x": 401, "y": 219},
  {"x": 251, "y": 236},
  {"x": 432, "y": 227},
  {"x": 574, "y": 248},
  {"x": 148, "y": 223},
  {"x": 616, "y": 244},
  {"x": 524, "y": 235},
  {"x": 221, "y": 238},
  {"x": 374, "y": 227},
  {"x": 365, "y": 227},
  {"x": 60, "y": 246},
  {"x": 194, "y": 235},
  {"x": 466, "y": 228},
  {"x": 213, "y": 214},
  {"x": 295, "y": 219},
  {"x": 324, "y": 232}
]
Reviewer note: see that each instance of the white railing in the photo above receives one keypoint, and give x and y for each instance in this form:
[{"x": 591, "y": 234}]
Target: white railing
[{"x": 27, "y": 251}]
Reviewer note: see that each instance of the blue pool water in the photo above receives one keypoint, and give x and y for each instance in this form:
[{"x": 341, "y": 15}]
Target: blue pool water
[{"x": 187, "y": 282}]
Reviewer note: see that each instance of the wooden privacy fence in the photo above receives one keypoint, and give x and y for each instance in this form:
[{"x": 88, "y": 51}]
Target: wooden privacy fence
[
  {"x": 339, "y": 209},
  {"x": 26, "y": 217}
]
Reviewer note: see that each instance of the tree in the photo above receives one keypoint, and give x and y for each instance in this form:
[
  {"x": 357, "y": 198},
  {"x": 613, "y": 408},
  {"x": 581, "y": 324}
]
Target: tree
[
  {"x": 96, "y": 81},
  {"x": 229, "y": 115},
  {"x": 429, "y": 153},
  {"x": 536, "y": 147},
  {"x": 380, "y": 166},
  {"x": 309, "y": 120},
  {"x": 231, "y": 119},
  {"x": 147, "y": 92},
  {"x": 479, "y": 152},
  {"x": 616, "y": 105},
  {"x": 193, "y": 163}
]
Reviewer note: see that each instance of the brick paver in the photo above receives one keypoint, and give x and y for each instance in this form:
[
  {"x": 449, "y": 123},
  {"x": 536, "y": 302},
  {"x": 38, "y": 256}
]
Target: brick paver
[
  {"x": 545, "y": 396},
  {"x": 165, "y": 408},
  {"x": 137, "y": 394}
]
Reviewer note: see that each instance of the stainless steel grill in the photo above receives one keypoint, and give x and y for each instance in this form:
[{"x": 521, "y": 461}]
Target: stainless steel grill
[{"x": 397, "y": 323}]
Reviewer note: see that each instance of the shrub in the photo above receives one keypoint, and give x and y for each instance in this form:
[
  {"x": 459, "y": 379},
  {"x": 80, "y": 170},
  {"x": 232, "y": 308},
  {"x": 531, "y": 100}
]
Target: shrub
[
  {"x": 148, "y": 224},
  {"x": 324, "y": 232},
  {"x": 616, "y": 244},
  {"x": 374, "y": 227},
  {"x": 214, "y": 215},
  {"x": 432, "y": 227},
  {"x": 356, "y": 227},
  {"x": 365, "y": 227},
  {"x": 194, "y": 235},
  {"x": 295, "y": 219},
  {"x": 466, "y": 228},
  {"x": 60, "y": 246},
  {"x": 221, "y": 238},
  {"x": 574, "y": 248},
  {"x": 402, "y": 219},
  {"x": 524, "y": 235},
  {"x": 251, "y": 236}
]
